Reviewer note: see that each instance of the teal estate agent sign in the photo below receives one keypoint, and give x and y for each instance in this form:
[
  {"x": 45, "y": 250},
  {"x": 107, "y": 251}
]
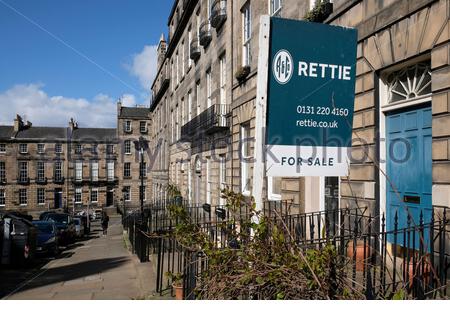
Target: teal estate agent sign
[{"x": 311, "y": 92}]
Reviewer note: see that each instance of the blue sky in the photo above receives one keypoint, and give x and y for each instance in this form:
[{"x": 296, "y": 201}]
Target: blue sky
[{"x": 74, "y": 58}]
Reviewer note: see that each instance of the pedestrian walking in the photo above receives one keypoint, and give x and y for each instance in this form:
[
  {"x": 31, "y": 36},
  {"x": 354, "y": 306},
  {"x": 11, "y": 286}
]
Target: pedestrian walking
[{"x": 105, "y": 221}]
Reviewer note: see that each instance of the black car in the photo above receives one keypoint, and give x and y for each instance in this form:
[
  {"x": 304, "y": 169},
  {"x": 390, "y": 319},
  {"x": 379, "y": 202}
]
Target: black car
[
  {"x": 20, "y": 244},
  {"x": 48, "y": 238},
  {"x": 65, "y": 225}
]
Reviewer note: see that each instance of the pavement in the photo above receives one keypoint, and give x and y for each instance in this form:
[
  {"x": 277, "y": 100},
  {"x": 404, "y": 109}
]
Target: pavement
[{"x": 96, "y": 268}]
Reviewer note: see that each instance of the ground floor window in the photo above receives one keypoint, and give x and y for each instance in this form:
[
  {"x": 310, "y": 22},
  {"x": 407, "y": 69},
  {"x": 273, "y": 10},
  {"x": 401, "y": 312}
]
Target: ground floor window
[
  {"x": 245, "y": 156},
  {"x": 274, "y": 188},
  {"x": 78, "y": 195},
  {"x": 23, "y": 200},
  {"x": 94, "y": 195},
  {"x": 127, "y": 193},
  {"x": 2, "y": 197},
  {"x": 41, "y": 196}
]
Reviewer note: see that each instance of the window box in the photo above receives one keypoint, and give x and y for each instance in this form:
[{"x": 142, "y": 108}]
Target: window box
[
  {"x": 320, "y": 12},
  {"x": 205, "y": 34},
  {"x": 218, "y": 13},
  {"x": 242, "y": 73}
]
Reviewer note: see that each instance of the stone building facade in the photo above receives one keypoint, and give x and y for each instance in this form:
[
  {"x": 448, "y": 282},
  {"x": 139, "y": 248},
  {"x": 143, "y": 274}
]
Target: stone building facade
[
  {"x": 73, "y": 168},
  {"x": 402, "y": 95}
]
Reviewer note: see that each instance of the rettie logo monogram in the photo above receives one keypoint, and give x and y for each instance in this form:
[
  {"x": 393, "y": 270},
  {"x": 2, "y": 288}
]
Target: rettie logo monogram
[{"x": 283, "y": 67}]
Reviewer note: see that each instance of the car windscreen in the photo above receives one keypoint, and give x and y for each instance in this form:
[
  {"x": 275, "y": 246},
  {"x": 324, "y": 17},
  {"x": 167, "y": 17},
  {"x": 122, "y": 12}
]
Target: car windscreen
[
  {"x": 45, "y": 228},
  {"x": 58, "y": 218}
]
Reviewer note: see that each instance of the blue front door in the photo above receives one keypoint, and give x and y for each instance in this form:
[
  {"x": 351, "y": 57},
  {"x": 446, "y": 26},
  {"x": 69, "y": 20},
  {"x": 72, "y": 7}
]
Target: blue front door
[{"x": 409, "y": 168}]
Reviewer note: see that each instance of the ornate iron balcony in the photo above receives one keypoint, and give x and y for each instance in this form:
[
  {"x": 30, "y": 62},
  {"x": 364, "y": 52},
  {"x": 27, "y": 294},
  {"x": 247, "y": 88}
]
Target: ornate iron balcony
[
  {"x": 212, "y": 120},
  {"x": 23, "y": 180},
  {"x": 195, "y": 49},
  {"x": 41, "y": 180},
  {"x": 218, "y": 13},
  {"x": 205, "y": 34},
  {"x": 58, "y": 180}
]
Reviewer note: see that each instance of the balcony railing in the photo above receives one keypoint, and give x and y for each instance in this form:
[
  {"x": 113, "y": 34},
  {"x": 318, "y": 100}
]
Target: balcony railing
[
  {"x": 212, "y": 120},
  {"x": 205, "y": 34},
  {"x": 58, "y": 180},
  {"x": 195, "y": 49},
  {"x": 23, "y": 180},
  {"x": 41, "y": 180},
  {"x": 218, "y": 13}
]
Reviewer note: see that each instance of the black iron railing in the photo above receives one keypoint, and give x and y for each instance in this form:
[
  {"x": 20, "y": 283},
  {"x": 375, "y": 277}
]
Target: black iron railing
[
  {"x": 381, "y": 260},
  {"x": 24, "y": 180},
  {"x": 212, "y": 120},
  {"x": 41, "y": 180}
]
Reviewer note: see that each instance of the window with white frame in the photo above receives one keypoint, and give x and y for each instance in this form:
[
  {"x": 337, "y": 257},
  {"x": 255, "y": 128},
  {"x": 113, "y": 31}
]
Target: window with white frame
[
  {"x": 110, "y": 170},
  {"x": 142, "y": 193},
  {"x": 23, "y": 198},
  {"x": 127, "y": 146},
  {"x": 127, "y": 193},
  {"x": 110, "y": 149},
  {"x": 245, "y": 159},
  {"x": 127, "y": 169},
  {"x": 208, "y": 88},
  {"x": 2, "y": 171},
  {"x": 94, "y": 148},
  {"x": 94, "y": 195},
  {"x": 409, "y": 83},
  {"x": 58, "y": 148},
  {"x": 143, "y": 126},
  {"x": 23, "y": 170},
  {"x": 197, "y": 97},
  {"x": 189, "y": 107},
  {"x": 78, "y": 148},
  {"x": 58, "y": 170},
  {"x": 223, "y": 79},
  {"x": 94, "y": 171},
  {"x": 177, "y": 59},
  {"x": 222, "y": 177},
  {"x": 275, "y": 7},
  {"x": 40, "y": 196},
  {"x": 41, "y": 148},
  {"x": 78, "y": 195},
  {"x": 79, "y": 170},
  {"x": 246, "y": 34},
  {"x": 128, "y": 126},
  {"x": 274, "y": 188},
  {"x": 2, "y": 147},
  {"x": 208, "y": 180},
  {"x": 23, "y": 148},
  {"x": 143, "y": 169},
  {"x": 2, "y": 197},
  {"x": 189, "y": 46},
  {"x": 183, "y": 112},
  {"x": 40, "y": 168},
  {"x": 183, "y": 59},
  {"x": 177, "y": 123}
]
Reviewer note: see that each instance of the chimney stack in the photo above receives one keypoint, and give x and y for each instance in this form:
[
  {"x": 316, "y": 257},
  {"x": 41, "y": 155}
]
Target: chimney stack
[
  {"x": 18, "y": 123},
  {"x": 119, "y": 107},
  {"x": 73, "y": 124}
]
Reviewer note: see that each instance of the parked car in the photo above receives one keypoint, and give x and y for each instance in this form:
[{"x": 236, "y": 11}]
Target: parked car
[
  {"x": 47, "y": 239},
  {"x": 85, "y": 222},
  {"x": 79, "y": 229},
  {"x": 21, "y": 245},
  {"x": 65, "y": 225},
  {"x": 97, "y": 214}
]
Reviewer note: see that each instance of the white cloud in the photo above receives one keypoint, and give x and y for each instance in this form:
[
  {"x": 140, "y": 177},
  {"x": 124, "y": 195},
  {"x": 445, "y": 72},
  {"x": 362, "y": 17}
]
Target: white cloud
[
  {"x": 37, "y": 106},
  {"x": 128, "y": 100},
  {"x": 144, "y": 66}
]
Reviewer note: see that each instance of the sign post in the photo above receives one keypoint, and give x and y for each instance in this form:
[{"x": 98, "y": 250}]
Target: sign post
[{"x": 305, "y": 100}]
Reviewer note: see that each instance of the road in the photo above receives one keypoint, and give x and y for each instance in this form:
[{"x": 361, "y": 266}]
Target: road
[{"x": 96, "y": 268}]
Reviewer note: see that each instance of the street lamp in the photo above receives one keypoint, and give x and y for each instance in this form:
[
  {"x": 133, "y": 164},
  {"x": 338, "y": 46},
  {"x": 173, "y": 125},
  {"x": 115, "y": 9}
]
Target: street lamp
[{"x": 141, "y": 146}]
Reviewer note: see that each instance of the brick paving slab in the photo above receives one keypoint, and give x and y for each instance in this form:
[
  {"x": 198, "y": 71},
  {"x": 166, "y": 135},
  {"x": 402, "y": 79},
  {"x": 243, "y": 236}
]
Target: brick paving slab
[{"x": 97, "y": 268}]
